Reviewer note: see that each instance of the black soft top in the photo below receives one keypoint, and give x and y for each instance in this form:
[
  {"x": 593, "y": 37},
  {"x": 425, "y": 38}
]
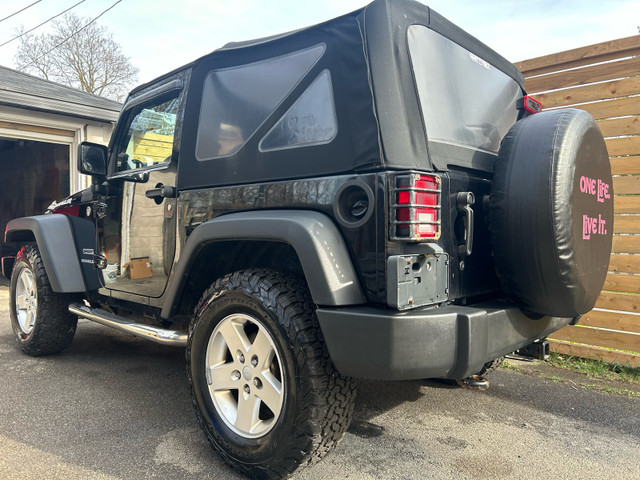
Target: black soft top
[{"x": 377, "y": 107}]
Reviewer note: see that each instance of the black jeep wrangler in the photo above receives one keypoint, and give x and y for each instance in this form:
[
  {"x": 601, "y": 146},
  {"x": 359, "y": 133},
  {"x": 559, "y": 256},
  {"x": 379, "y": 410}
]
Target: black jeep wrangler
[{"x": 372, "y": 197}]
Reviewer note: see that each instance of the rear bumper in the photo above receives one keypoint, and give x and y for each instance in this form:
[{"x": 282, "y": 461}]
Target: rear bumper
[{"x": 449, "y": 342}]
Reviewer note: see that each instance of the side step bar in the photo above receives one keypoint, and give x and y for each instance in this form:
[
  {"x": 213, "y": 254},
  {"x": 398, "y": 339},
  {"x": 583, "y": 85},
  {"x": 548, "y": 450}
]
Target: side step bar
[{"x": 177, "y": 338}]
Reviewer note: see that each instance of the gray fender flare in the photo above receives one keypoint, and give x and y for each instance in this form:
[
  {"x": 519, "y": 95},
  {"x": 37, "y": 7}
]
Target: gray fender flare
[
  {"x": 319, "y": 245},
  {"x": 54, "y": 235}
]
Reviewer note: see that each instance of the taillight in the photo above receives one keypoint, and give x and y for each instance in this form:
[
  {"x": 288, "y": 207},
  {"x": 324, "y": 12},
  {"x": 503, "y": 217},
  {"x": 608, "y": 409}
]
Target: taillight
[
  {"x": 72, "y": 210},
  {"x": 531, "y": 105},
  {"x": 415, "y": 207}
]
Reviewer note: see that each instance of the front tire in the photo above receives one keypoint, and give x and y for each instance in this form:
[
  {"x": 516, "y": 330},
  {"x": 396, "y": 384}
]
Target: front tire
[
  {"x": 265, "y": 390},
  {"x": 40, "y": 319}
]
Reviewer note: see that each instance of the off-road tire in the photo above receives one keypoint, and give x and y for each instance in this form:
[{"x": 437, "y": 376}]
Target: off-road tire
[
  {"x": 54, "y": 326},
  {"x": 317, "y": 403}
]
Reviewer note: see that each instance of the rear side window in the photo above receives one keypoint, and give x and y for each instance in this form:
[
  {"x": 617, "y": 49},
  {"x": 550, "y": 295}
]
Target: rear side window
[
  {"x": 237, "y": 101},
  {"x": 311, "y": 120},
  {"x": 465, "y": 101}
]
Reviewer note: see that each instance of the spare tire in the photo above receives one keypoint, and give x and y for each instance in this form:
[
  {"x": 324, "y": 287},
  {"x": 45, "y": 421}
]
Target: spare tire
[{"x": 551, "y": 213}]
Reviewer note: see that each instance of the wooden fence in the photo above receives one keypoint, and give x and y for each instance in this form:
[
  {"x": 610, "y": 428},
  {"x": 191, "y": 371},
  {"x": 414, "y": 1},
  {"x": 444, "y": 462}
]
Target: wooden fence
[{"x": 604, "y": 79}]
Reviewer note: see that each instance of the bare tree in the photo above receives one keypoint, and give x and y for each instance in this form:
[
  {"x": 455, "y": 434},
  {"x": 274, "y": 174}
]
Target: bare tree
[{"x": 79, "y": 54}]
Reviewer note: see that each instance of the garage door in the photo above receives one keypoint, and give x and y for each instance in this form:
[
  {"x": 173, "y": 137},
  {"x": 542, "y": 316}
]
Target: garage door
[{"x": 33, "y": 175}]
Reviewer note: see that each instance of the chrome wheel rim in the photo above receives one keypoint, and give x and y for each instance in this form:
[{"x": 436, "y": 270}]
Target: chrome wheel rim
[
  {"x": 26, "y": 301},
  {"x": 245, "y": 375}
]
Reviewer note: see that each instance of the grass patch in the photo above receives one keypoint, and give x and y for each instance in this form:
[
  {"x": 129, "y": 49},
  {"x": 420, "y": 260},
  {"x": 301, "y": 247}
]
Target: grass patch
[
  {"x": 597, "y": 368},
  {"x": 509, "y": 366},
  {"x": 611, "y": 390}
]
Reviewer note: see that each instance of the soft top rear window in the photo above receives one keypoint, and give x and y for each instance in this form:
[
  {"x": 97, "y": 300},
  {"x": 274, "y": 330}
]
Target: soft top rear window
[{"x": 465, "y": 101}]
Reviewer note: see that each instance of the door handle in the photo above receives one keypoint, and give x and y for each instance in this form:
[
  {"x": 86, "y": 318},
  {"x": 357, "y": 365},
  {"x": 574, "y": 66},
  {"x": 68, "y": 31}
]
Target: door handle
[
  {"x": 464, "y": 201},
  {"x": 161, "y": 192}
]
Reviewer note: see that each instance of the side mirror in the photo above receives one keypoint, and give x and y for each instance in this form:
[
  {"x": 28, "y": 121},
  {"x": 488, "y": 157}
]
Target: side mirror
[{"x": 92, "y": 159}]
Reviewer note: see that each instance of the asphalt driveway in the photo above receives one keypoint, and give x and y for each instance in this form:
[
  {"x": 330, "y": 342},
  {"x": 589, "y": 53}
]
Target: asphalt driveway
[{"x": 115, "y": 407}]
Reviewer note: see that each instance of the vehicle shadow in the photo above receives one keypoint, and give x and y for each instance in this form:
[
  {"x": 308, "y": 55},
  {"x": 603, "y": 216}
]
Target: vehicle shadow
[{"x": 121, "y": 406}]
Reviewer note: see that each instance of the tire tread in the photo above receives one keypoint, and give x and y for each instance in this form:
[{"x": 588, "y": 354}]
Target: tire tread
[{"x": 55, "y": 325}]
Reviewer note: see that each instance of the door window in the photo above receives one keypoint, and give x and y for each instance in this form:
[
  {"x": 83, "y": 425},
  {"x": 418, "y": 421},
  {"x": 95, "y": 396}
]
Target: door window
[{"x": 149, "y": 136}]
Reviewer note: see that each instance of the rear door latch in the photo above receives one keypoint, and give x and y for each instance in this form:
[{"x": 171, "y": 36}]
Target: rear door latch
[{"x": 464, "y": 200}]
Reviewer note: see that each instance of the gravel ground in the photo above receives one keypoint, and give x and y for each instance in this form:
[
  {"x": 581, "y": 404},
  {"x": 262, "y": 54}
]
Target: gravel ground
[{"x": 115, "y": 407}]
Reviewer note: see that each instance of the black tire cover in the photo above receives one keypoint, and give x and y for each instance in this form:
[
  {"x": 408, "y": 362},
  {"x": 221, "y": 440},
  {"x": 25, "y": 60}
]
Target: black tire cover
[{"x": 551, "y": 216}]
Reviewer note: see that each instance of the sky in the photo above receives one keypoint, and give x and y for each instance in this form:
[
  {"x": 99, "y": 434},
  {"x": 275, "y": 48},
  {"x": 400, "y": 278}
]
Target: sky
[{"x": 160, "y": 35}]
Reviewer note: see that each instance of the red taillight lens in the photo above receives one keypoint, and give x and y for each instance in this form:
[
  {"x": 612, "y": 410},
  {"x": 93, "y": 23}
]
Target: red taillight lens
[
  {"x": 531, "y": 105},
  {"x": 415, "y": 210},
  {"x": 72, "y": 210}
]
